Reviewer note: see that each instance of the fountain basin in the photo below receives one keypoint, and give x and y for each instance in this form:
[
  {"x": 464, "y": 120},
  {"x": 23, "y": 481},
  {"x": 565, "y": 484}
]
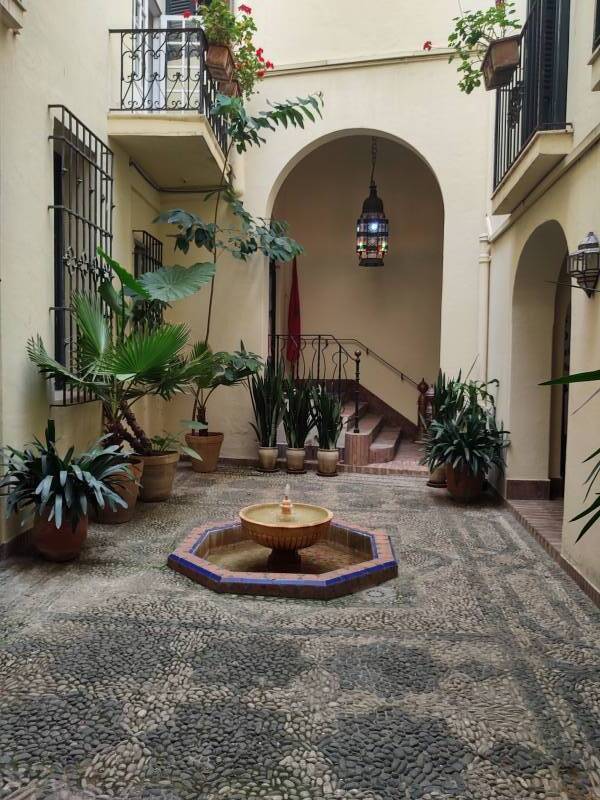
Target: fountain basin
[
  {"x": 301, "y": 528},
  {"x": 223, "y": 557}
]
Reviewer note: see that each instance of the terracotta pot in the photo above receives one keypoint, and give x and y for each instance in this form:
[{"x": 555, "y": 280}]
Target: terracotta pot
[
  {"x": 219, "y": 62},
  {"x": 463, "y": 485},
  {"x": 267, "y": 458},
  {"x": 128, "y": 489},
  {"x": 294, "y": 457},
  {"x": 500, "y": 61},
  {"x": 208, "y": 448},
  {"x": 437, "y": 477},
  {"x": 231, "y": 88},
  {"x": 59, "y": 544},
  {"x": 327, "y": 462},
  {"x": 158, "y": 476}
]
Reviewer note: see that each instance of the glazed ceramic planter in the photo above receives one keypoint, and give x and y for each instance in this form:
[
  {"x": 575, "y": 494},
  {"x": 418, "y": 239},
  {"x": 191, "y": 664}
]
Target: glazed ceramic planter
[
  {"x": 59, "y": 544},
  {"x": 500, "y": 61},
  {"x": 327, "y": 462},
  {"x": 208, "y": 446},
  {"x": 158, "y": 476},
  {"x": 294, "y": 457},
  {"x": 267, "y": 458},
  {"x": 128, "y": 488},
  {"x": 219, "y": 62},
  {"x": 463, "y": 485},
  {"x": 437, "y": 477}
]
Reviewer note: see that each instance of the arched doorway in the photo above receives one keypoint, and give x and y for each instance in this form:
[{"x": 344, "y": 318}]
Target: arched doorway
[
  {"x": 392, "y": 311},
  {"x": 540, "y": 350}
]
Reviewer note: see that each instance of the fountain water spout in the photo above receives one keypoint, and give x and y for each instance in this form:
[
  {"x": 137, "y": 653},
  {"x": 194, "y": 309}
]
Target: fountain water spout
[{"x": 286, "y": 504}]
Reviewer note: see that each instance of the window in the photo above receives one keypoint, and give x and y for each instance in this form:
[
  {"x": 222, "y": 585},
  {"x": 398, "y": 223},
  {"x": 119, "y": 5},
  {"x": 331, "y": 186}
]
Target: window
[
  {"x": 147, "y": 253},
  {"x": 83, "y": 210},
  {"x": 179, "y": 6},
  {"x": 597, "y": 26},
  {"x": 147, "y": 257}
]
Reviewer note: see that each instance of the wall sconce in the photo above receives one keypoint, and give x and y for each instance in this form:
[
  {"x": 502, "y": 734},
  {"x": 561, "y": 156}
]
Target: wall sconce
[{"x": 584, "y": 263}]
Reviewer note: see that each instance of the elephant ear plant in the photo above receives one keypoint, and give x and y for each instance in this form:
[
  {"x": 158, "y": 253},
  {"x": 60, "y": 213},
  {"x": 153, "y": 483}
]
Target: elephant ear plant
[{"x": 60, "y": 491}]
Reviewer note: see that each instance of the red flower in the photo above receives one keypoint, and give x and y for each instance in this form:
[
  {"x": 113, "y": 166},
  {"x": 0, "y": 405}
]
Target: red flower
[
  {"x": 270, "y": 65},
  {"x": 245, "y": 9},
  {"x": 259, "y": 52},
  {"x": 187, "y": 14},
  {"x": 427, "y": 45},
  {"x": 260, "y": 73}
]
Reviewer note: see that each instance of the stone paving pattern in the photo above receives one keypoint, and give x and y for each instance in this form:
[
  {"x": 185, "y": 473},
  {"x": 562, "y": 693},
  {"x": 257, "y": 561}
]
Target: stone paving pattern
[{"x": 474, "y": 674}]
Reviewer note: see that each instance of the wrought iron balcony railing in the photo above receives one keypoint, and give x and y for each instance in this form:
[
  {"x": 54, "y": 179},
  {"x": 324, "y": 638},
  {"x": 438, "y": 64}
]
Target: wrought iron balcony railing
[
  {"x": 536, "y": 97},
  {"x": 165, "y": 70}
]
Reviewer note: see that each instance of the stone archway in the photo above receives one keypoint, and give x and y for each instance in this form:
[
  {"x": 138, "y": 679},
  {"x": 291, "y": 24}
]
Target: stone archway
[
  {"x": 394, "y": 309},
  {"x": 539, "y": 315}
]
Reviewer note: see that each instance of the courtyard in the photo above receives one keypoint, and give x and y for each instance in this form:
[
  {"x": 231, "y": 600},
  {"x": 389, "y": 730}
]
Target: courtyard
[{"x": 471, "y": 675}]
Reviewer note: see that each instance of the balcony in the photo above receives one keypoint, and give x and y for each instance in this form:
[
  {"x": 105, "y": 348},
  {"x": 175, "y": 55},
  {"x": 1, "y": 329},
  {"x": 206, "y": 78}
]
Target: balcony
[
  {"x": 160, "y": 112},
  {"x": 531, "y": 132}
]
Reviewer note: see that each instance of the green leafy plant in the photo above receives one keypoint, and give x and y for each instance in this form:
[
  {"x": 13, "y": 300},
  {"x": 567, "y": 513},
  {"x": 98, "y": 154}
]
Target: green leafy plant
[
  {"x": 219, "y": 22},
  {"x": 252, "y": 235},
  {"x": 471, "y": 36},
  {"x": 298, "y": 413},
  {"x": 470, "y": 441},
  {"x": 221, "y": 369},
  {"x": 267, "y": 396},
  {"x": 63, "y": 488},
  {"x": 118, "y": 365},
  {"x": 593, "y": 510},
  {"x": 327, "y": 417}
]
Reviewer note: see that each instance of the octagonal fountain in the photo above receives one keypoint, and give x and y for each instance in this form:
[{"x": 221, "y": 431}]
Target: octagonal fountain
[{"x": 285, "y": 550}]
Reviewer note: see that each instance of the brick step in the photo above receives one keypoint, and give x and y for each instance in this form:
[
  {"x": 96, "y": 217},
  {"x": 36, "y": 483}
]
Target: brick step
[
  {"x": 385, "y": 445},
  {"x": 348, "y": 412},
  {"x": 357, "y": 444}
]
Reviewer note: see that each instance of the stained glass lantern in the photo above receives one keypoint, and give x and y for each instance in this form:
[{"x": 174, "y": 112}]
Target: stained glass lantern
[
  {"x": 584, "y": 263},
  {"x": 372, "y": 227}
]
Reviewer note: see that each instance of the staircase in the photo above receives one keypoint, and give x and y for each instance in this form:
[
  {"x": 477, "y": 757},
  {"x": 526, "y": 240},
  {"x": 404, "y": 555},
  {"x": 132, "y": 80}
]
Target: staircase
[{"x": 375, "y": 437}]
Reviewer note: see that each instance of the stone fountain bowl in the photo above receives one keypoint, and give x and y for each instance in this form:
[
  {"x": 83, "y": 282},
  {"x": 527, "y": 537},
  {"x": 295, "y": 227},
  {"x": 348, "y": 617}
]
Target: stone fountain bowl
[{"x": 264, "y": 524}]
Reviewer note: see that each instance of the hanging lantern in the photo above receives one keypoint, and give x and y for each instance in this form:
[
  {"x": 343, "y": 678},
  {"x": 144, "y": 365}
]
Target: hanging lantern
[
  {"x": 372, "y": 227},
  {"x": 584, "y": 263}
]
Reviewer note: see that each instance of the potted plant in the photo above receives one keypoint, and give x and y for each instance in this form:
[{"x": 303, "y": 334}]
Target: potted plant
[
  {"x": 222, "y": 369},
  {"x": 298, "y": 420},
  {"x": 266, "y": 394},
  {"x": 329, "y": 423},
  {"x": 469, "y": 444},
  {"x": 127, "y": 486},
  {"x": 251, "y": 236},
  {"x": 119, "y": 365},
  {"x": 61, "y": 491},
  {"x": 442, "y": 392},
  {"x": 483, "y": 48},
  {"x": 221, "y": 31}
]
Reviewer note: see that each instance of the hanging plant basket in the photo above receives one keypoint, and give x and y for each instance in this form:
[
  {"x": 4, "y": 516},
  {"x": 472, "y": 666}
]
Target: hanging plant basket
[
  {"x": 231, "y": 88},
  {"x": 500, "y": 61},
  {"x": 219, "y": 62}
]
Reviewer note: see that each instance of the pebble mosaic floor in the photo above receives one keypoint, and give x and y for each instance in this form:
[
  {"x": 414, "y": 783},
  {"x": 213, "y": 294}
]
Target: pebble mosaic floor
[{"x": 474, "y": 675}]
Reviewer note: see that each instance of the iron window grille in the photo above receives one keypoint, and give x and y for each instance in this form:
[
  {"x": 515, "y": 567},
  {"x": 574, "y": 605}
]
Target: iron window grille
[
  {"x": 597, "y": 26},
  {"x": 83, "y": 210},
  {"x": 147, "y": 253},
  {"x": 147, "y": 257}
]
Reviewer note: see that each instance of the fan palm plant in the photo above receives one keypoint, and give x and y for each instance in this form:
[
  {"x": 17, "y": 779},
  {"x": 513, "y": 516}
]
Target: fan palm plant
[{"x": 118, "y": 365}]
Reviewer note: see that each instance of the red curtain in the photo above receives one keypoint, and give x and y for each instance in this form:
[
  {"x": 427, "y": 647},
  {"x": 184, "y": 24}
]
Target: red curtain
[{"x": 294, "y": 322}]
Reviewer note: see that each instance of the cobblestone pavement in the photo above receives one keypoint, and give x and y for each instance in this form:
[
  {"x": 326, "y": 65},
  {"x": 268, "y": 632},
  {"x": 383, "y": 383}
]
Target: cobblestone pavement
[{"x": 473, "y": 675}]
